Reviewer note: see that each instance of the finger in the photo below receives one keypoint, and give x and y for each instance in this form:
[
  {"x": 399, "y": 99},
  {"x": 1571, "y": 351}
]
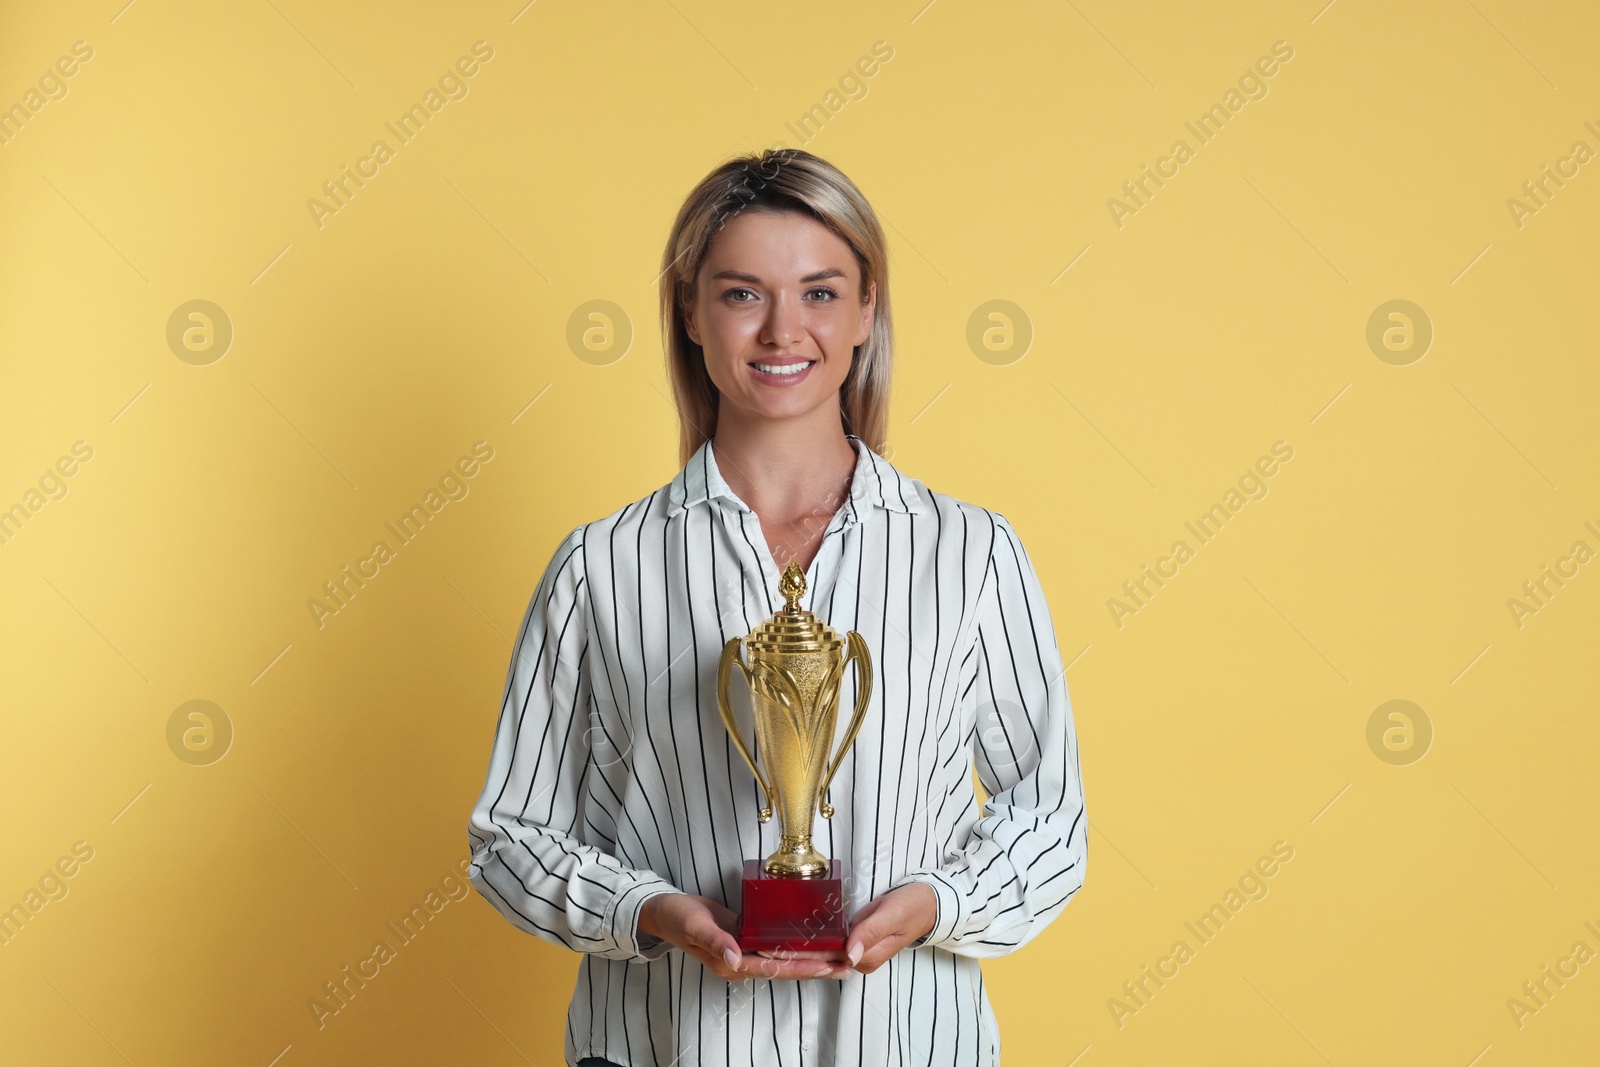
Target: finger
[
  {"x": 756, "y": 965},
  {"x": 714, "y": 963},
  {"x": 882, "y": 952},
  {"x": 701, "y": 927},
  {"x": 834, "y": 954},
  {"x": 863, "y": 937},
  {"x": 880, "y": 919},
  {"x": 867, "y": 910}
]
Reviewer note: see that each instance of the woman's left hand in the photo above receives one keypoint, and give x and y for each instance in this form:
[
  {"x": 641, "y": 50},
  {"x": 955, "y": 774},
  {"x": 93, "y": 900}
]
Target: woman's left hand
[{"x": 882, "y": 928}]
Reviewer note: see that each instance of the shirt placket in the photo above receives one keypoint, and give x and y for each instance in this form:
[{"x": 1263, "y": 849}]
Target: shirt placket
[
  {"x": 843, "y": 519},
  {"x": 808, "y": 1028},
  {"x": 744, "y": 525}
]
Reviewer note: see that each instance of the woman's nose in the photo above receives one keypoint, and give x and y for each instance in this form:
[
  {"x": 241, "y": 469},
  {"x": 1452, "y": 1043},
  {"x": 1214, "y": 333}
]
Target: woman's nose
[{"x": 783, "y": 324}]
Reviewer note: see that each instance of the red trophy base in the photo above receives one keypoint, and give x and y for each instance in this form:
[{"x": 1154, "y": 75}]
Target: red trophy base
[{"x": 791, "y": 913}]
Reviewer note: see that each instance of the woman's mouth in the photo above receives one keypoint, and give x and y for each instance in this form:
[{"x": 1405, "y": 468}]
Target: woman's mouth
[{"x": 783, "y": 373}]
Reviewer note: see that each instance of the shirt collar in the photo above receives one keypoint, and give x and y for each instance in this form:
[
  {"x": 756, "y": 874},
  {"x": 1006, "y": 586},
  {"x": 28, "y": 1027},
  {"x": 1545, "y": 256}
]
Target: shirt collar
[{"x": 875, "y": 484}]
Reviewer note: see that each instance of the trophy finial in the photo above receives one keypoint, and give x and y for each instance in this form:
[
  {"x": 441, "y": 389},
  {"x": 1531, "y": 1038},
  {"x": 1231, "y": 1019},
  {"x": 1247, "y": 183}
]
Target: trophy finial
[{"x": 792, "y": 585}]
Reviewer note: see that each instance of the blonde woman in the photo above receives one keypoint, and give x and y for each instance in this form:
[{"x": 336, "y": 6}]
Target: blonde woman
[{"x": 616, "y": 814}]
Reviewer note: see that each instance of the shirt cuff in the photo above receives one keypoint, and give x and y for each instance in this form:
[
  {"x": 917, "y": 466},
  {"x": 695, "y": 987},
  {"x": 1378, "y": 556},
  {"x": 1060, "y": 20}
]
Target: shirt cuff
[
  {"x": 952, "y": 909},
  {"x": 622, "y": 920}
]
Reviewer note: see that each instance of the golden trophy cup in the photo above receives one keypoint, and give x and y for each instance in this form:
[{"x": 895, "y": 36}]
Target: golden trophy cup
[{"x": 794, "y": 899}]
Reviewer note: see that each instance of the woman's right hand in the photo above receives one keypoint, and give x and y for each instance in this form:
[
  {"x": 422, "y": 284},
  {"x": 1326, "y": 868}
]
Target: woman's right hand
[{"x": 704, "y": 929}]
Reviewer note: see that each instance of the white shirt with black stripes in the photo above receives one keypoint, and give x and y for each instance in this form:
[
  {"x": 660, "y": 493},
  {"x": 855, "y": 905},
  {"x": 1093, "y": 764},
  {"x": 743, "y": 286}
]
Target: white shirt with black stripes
[{"x": 612, "y": 777}]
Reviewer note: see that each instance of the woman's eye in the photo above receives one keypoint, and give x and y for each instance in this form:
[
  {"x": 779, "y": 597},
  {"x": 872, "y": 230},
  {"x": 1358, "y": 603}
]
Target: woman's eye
[{"x": 737, "y": 296}]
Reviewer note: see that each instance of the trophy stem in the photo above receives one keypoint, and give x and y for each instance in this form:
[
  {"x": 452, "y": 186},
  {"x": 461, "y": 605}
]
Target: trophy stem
[{"x": 796, "y": 858}]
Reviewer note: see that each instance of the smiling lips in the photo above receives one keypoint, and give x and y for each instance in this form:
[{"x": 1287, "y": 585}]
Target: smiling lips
[{"x": 782, "y": 372}]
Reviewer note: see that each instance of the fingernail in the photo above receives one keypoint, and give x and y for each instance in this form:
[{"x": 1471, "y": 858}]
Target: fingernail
[
  {"x": 854, "y": 954},
  {"x": 731, "y": 956}
]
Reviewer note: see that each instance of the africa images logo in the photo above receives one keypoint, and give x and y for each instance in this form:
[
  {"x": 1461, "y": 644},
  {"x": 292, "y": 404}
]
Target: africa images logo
[{"x": 452, "y": 85}]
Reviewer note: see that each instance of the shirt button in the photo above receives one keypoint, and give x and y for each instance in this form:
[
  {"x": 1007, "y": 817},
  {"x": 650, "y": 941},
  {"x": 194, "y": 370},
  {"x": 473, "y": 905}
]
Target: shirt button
[{"x": 806, "y": 1045}]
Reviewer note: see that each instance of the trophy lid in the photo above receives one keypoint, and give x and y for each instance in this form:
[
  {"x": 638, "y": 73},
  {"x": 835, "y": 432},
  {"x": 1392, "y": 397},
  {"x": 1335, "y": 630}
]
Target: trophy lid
[{"x": 793, "y": 629}]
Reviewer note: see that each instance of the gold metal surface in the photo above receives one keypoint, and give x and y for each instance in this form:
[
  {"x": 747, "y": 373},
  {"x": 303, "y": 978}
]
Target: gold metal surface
[{"x": 795, "y": 670}]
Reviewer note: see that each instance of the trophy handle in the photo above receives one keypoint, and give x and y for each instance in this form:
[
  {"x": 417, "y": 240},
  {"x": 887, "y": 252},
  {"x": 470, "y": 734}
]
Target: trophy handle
[
  {"x": 730, "y": 659},
  {"x": 858, "y": 652}
]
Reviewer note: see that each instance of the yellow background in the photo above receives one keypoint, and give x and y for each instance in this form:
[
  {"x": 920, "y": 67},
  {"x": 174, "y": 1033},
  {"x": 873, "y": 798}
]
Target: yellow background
[{"x": 369, "y": 354}]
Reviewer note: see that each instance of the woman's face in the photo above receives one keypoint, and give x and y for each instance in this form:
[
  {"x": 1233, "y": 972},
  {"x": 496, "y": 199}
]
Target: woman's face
[{"x": 777, "y": 313}]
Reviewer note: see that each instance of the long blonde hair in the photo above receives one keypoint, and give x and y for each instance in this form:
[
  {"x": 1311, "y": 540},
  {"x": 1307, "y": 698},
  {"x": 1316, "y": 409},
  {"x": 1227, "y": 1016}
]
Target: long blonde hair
[{"x": 775, "y": 180}]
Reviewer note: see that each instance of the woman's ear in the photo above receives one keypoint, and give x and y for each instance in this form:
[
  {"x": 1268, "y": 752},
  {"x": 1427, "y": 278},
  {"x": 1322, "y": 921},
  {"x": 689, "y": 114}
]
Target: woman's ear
[
  {"x": 690, "y": 328},
  {"x": 868, "y": 309}
]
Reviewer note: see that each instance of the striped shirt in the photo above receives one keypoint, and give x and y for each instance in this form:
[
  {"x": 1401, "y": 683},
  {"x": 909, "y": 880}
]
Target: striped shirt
[{"x": 612, "y": 777}]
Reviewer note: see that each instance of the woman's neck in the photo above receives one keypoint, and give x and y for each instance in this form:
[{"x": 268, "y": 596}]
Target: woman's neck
[{"x": 787, "y": 470}]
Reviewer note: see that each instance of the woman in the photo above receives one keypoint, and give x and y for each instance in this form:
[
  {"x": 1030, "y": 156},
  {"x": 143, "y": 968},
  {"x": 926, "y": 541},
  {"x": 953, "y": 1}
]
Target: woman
[{"x": 616, "y": 814}]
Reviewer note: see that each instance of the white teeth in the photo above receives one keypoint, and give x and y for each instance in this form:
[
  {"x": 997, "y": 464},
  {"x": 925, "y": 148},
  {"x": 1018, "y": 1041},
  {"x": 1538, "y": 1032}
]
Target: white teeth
[{"x": 782, "y": 371}]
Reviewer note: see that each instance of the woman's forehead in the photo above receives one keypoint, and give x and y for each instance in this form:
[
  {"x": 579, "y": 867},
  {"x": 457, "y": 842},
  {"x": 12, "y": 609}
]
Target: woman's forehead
[{"x": 785, "y": 244}]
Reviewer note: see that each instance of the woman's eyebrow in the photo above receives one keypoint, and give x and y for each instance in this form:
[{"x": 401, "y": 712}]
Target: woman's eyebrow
[{"x": 815, "y": 276}]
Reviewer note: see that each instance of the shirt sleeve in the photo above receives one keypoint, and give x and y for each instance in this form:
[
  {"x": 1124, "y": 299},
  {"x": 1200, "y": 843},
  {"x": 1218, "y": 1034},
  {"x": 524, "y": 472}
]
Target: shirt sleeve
[
  {"x": 1023, "y": 858},
  {"x": 527, "y": 856}
]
